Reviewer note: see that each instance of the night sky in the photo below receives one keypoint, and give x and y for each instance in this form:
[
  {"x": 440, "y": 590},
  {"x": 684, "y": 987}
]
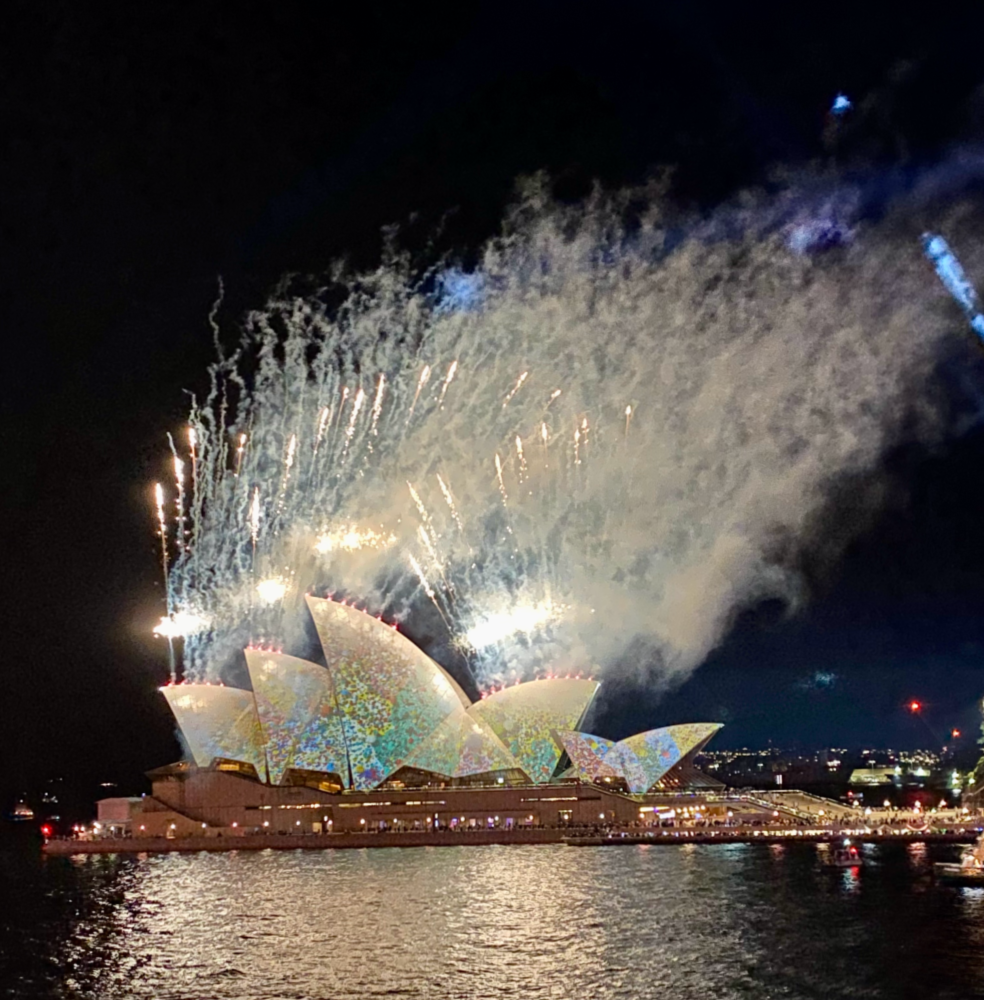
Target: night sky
[{"x": 147, "y": 150}]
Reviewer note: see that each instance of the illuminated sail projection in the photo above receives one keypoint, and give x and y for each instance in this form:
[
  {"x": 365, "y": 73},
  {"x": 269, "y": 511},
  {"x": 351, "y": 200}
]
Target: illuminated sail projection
[
  {"x": 587, "y": 754},
  {"x": 296, "y": 707},
  {"x": 218, "y": 723},
  {"x": 644, "y": 758},
  {"x": 463, "y": 745},
  {"x": 383, "y": 704},
  {"x": 524, "y": 717},
  {"x": 392, "y": 696},
  {"x": 692, "y": 737}
]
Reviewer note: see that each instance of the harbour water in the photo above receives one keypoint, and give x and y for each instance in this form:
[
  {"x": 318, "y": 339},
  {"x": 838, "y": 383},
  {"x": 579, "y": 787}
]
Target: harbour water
[{"x": 677, "y": 923}]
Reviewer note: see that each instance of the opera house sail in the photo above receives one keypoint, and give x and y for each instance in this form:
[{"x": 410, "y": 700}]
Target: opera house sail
[
  {"x": 295, "y": 702},
  {"x": 392, "y": 695},
  {"x": 381, "y": 710},
  {"x": 640, "y": 760},
  {"x": 218, "y": 723},
  {"x": 524, "y": 716}
]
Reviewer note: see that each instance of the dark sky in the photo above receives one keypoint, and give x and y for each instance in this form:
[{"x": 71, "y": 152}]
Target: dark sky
[{"x": 147, "y": 150}]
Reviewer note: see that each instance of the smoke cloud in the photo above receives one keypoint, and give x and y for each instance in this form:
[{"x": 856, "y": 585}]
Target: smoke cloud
[{"x": 615, "y": 432}]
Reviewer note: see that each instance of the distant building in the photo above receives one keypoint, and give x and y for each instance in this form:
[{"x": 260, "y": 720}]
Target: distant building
[
  {"x": 115, "y": 816},
  {"x": 873, "y": 776}
]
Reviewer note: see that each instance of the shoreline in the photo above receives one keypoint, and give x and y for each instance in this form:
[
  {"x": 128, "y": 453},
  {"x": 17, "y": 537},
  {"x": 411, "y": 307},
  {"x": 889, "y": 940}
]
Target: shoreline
[{"x": 359, "y": 841}]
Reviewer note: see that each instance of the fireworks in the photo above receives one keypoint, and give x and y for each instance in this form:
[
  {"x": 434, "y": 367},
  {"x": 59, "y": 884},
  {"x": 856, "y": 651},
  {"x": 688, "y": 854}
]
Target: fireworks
[
  {"x": 323, "y": 418},
  {"x": 377, "y": 406},
  {"x": 326, "y": 460},
  {"x": 350, "y": 538},
  {"x": 523, "y": 471},
  {"x": 360, "y": 398},
  {"x": 449, "y": 499},
  {"x": 271, "y": 590},
  {"x": 447, "y": 382},
  {"x": 519, "y": 385},
  {"x": 421, "y": 382},
  {"x": 180, "y": 625},
  {"x": 161, "y": 520},
  {"x": 525, "y": 618},
  {"x": 499, "y": 479},
  {"x": 254, "y": 517}
]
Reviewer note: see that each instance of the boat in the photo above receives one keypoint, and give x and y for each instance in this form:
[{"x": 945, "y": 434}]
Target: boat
[
  {"x": 846, "y": 855},
  {"x": 21, "y": 813},
  {"x": 969, "y": 871},
  {"x": 956, "y": 874}
]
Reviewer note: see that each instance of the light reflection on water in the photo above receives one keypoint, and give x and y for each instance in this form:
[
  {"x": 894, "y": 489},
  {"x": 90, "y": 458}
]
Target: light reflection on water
[{"x": 721, "y": 921}]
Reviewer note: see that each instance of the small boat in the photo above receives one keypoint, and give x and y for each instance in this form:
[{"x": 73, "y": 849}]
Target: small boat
[
  {"x": 846, "y": 855},
  {"x": 956, "y": 874},
  {"x": 969, "y": 871},
  {"x": 21, "y": 813}
]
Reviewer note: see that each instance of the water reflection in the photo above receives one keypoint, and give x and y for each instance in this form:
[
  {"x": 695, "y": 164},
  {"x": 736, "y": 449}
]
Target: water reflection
[
  {"x": 918, "y": 856},
  {"x": 850, "y": 879},
  {"x": 721, "y": 921}
]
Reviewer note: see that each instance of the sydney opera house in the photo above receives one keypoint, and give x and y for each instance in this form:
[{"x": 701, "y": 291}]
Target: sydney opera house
[{"x": 383, "y": 737}]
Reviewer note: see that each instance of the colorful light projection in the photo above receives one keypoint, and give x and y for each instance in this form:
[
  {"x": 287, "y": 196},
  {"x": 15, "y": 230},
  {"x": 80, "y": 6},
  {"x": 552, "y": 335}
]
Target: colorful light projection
[
  {"x": 641, "y": 760},
  {"x": 461, "y": 746},
  {"x": 524, "y": 717},
  {"x": 296, "y": 706},
  {"x": 218, "y": 723},
  {"x": 392, "y": 696}
]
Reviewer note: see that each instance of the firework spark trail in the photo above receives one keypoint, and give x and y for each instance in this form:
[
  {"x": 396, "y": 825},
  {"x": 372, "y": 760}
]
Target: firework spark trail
[
  {"x": 519, "y": 385},
  {"x": 421, "y": 382},
  {"x": 254, "y": 519},
  {"x": 192, "y": 445},
  {"x": 523, "y": 472},
  {"x": 162, "y": 522},
  {"x": 288, "y": 465},
  {"x": 240, "y": 451},
  {"x": 431, "y": 547},
  {"x": 341, "y": 410},
  {"x": 764, "y": 376},
  {"x": 447, "y": 382},
  {"x": 419, "y": 570},
  {"x": 323, "y": 419},
  {"x": 449, "y": 499},
  {"x": 179, "y": 502},
  {"x": 377, "y": 405},
  {"x": 428, "y": 524},
  {"x": 499, "y": 479},
  {"x": 360, "y": 398},
  {"x": 428, "y": 589}
]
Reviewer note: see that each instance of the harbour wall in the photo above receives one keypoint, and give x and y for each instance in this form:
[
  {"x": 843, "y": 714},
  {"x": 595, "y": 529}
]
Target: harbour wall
[{"x": 342, "y": 841}]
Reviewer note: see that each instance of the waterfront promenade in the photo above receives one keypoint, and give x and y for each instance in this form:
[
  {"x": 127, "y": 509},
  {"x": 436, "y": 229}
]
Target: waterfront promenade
[{"x": 538, "y": 835}]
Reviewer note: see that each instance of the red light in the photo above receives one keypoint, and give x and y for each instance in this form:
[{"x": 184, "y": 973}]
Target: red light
[
  {"x": 955, "y": 734},
  {"x": 914, "y": 706},
  {"x": 46, "y": 830}
]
